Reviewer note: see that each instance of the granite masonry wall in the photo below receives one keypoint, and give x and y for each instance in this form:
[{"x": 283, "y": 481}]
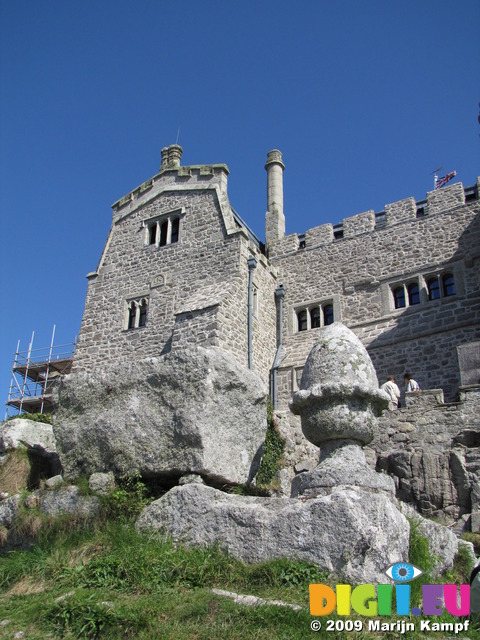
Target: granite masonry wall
[
  {"x": 432, "y": 450},
  {"x": 356, "y": 269},
  {"x": 196, "y": 289}
]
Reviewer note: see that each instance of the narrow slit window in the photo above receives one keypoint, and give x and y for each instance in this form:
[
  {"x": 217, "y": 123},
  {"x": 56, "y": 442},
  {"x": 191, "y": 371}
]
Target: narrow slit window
[
  {"x": 175, "y": 229},
  {"x": 399, "y": 297},
  {"x": 314, "y": 317},
  {"x": 413, "y": 293},
  {"x": 163, "y": 233},
  {"x": 302, "y": 320},
  {"x": 448, "y": 282},
  {"x": 132, "y": 315},
  {"x": 328, "y": 314},
  {"x": 152, "y": 234},
  {"x": 433, "y": 287},
  {"x": 142, "y": 320}
]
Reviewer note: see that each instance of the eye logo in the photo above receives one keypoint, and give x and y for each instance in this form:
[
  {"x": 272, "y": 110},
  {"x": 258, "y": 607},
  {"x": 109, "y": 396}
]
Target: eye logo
[{"x": 403, "y": 572}]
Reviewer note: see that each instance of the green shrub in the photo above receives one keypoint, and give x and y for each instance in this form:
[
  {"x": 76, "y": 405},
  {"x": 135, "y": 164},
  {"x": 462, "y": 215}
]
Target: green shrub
[
  {"x": 127, "y": 500},
  {"x": 273, "y": 449},
  {"x": 35, "y": 417},
  {"x": 421, "y": 557}
]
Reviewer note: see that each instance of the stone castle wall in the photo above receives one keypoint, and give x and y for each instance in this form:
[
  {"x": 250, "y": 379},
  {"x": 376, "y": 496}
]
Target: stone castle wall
[
  {"x": 196, "y": 289},
  {"x": 432, "y": 450},
  {"x": 358, "y": 272}
]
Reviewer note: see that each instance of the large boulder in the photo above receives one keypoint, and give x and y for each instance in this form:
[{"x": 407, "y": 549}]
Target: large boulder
[
  {"x": 354, "y": 534},
  {"x": 189, "y": 411},
  {"x": 34, "y": 436},
  {"x": 42, "y": 461}
]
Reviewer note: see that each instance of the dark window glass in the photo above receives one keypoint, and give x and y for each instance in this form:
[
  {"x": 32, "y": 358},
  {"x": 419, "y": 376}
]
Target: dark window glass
[
  {"x": 143, "y": 315},
  {"x": 315, "y": 318},
  {"x": 163, "y": 233},
  {"x": 302, "y": 320},
  {"x": 399, "y": 297},
  {"x": 175, "y": 228},
  {"x": 448, "y": 282},
  {"x": 152, "y": 235},
  {"x": 433, "y": 287},
  {"x": 132, "y": 314},
  {"x": 413, "y": 293},
  {"x": 327, "y": 314}
]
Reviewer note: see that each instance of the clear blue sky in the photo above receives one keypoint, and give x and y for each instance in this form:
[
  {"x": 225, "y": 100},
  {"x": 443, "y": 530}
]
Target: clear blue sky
[{"x": 365, "y": 98}]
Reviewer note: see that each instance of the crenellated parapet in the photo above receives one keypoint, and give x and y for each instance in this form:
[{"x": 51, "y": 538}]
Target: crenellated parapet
[{"x": 403, "y": 211}]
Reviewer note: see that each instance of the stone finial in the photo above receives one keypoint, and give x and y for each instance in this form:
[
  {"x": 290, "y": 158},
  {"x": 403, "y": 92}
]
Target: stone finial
[
  {"x": 338, "y": 402},
  {"x": 339, "y": 396}
]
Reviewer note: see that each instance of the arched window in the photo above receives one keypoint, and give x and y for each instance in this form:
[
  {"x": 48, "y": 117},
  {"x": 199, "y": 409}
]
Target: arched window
[
  {"x": 413, "y": 293},
  {"x": 302, "y": 320},
  {"x": 448, "y": 283},
  {"x": 142, "y": 319},
  {"x": 163, "y": 233},
  {"x": 137, "y": 313},
  {"x": 399, "y": 297},
  {"x": 327, "y": 314},
  {"x": 175, "y": 229},
  {"x": 152, "y": 234},
  {"x": 314, "y": 317},
  {"x": 132, "y": 315},
  {"x": 433, "y": 287}
]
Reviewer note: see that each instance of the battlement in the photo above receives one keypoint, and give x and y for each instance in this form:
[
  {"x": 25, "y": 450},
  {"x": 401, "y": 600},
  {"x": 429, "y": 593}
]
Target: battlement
[
  {"x": 173, "y": 176},
  {"x": 407, "y": 210}
]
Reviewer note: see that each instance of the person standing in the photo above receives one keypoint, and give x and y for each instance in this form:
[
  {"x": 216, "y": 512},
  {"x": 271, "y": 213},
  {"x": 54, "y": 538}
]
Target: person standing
[
  {"x": 393, "y": 392},
  {"x": 411, "y": 384}
]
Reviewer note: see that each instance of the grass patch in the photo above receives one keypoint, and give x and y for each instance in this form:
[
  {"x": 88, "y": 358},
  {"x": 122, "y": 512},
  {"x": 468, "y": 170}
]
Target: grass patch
[
  {"x": 111, "y": 582},
  {"x": 474, "y": 538},
  {"x": 15, "y": 472}
]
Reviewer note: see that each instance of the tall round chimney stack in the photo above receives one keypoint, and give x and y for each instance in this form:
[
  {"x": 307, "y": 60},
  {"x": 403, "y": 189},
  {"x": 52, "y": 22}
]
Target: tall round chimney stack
[{"x": 274, "y": 218}]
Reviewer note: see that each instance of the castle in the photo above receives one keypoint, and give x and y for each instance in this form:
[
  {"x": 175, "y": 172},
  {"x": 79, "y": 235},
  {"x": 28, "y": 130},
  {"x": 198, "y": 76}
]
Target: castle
[{"x": 181, "y": 267}]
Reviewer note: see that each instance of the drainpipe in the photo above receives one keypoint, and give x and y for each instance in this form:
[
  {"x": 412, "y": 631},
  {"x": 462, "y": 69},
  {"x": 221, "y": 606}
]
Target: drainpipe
[
  {"x": 252, "y": 264},
  {"x": 279, "y": 296}
]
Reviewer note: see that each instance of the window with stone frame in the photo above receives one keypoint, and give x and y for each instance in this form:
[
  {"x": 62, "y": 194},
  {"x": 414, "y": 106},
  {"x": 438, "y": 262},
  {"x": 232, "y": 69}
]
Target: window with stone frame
[
  {"x": 399, "y": 300},
  {"x": 423, "y": 289},
  {"x": 448, "y": 285},
  {"x": 163, "y": 231},
  {"x": 441, "y": 286},
  {"x": 136, "y": 313},
  {"x": 433, "y": 288},
  {"x": 327, "y": 314},
  {"x": 314, "y": 316},
  {"x": 413, "y": 291},
  {"x": 302, "y": 320}
]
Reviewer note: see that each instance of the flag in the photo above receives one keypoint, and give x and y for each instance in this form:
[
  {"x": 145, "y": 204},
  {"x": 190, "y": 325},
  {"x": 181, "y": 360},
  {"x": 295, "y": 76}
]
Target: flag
[{"x": 440, "y": 182}]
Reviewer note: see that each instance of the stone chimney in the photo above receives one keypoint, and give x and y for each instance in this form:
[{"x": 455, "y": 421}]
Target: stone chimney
[
  {"x": 164, "y": 157},
  {"x": 274, "y": 218},
  {"x": 171, "y": 156}
]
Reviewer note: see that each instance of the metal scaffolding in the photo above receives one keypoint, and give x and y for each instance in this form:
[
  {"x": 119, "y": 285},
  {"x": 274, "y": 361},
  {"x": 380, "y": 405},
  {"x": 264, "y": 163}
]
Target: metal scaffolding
[{"x": 34, "y": 374}]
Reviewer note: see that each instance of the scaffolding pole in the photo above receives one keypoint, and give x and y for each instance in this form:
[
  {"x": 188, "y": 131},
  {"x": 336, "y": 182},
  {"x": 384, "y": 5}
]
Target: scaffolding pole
[{"x": 34, "y": 373}]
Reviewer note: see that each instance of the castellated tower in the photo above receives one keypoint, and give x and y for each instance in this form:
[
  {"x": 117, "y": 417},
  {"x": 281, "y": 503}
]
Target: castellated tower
[{"x": 179, "y": 267}]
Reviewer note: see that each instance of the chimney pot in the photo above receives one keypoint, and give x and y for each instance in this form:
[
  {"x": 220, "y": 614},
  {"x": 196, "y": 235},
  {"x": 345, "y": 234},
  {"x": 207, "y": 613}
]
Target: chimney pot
[{"x": 174, "y": 155}]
